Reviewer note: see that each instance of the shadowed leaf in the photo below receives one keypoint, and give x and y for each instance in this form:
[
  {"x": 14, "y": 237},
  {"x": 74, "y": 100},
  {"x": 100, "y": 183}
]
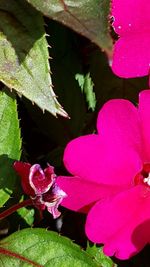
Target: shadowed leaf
[
  {"x": 24, "y": 64},
  {"x": 87, "y": 17}
]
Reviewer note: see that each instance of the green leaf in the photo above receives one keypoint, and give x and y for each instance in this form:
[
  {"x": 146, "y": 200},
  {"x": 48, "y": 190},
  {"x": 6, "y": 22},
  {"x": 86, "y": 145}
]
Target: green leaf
[
  {"x": 86, "y": 85},
  {"x": 59, "y": 132},
  {"x": 45, "y": 248},
  {"x": 10, "y": 143},
  {"x": 99, "y": 256},
  {"x": 87, "y": 17},
  {"x": 27, "y": 215},
  {"x": 24, "y": 64}
]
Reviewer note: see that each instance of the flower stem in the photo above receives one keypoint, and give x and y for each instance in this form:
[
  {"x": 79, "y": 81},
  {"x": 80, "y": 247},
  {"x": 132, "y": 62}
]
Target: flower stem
[{"x": 17, "y": 206}]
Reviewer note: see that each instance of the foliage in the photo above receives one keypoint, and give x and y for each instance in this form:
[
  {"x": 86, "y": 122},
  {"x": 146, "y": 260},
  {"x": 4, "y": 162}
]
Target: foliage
[
  {"x": 89, "y": 18},
  {"x": 44, "y": 248},
  {"x": 10, "y": 143},
  {"x": 97, "y": 253},
  {"x": 24, "y": 55},
  {"x": 86, "y": 86}
]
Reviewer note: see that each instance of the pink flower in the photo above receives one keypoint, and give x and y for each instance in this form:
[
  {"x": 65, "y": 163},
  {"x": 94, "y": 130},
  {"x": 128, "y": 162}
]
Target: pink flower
[
  {"x": 111, "y": 179},
  {"x": 131, "y": 52},
  {"x": 40, "y": 186}
]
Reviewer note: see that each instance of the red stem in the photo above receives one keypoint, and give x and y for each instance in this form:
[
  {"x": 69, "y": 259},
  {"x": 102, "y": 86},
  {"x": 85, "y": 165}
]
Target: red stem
[
  {"x": 18, "y": 256},
  {"x": 17, "y": 206}
]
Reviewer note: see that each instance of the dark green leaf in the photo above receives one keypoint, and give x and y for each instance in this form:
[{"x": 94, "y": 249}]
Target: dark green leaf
[
  {"x": 44, "y": 248},
  {"x": 24, "y": 64},
  {"x": 87, "y": 17}
]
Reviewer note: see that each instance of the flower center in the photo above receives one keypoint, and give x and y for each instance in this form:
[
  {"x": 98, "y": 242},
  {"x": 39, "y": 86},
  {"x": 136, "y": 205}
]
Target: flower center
[
  {"x": 144, "y": 176},
  {"x": 147, "y": 180}
]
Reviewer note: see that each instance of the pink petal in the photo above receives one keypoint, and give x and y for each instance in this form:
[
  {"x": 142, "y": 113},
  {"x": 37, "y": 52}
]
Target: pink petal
[
  {"x": 121, "y": 223},
  {"x": 118, "y": 125},
  {"x": 144, "y": 114},
  {"x": 132, "y": 23},
  {"x": 23, "y": 169},
  {"x": 131, "y": 16},
  {"x": 82, "y": 194},
  {"x": 39, "y": 181},
  {"x": 112, "y": 156},
  {"x": 131, "y": 56}
]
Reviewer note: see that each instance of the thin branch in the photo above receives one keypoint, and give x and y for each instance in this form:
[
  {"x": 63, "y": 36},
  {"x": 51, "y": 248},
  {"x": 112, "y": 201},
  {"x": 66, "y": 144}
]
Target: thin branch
[{"x": 17, "y": 206}]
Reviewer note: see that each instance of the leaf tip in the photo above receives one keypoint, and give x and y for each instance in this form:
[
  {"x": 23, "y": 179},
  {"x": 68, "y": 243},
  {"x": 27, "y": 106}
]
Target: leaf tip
[{"x": 63, "y": 113}]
